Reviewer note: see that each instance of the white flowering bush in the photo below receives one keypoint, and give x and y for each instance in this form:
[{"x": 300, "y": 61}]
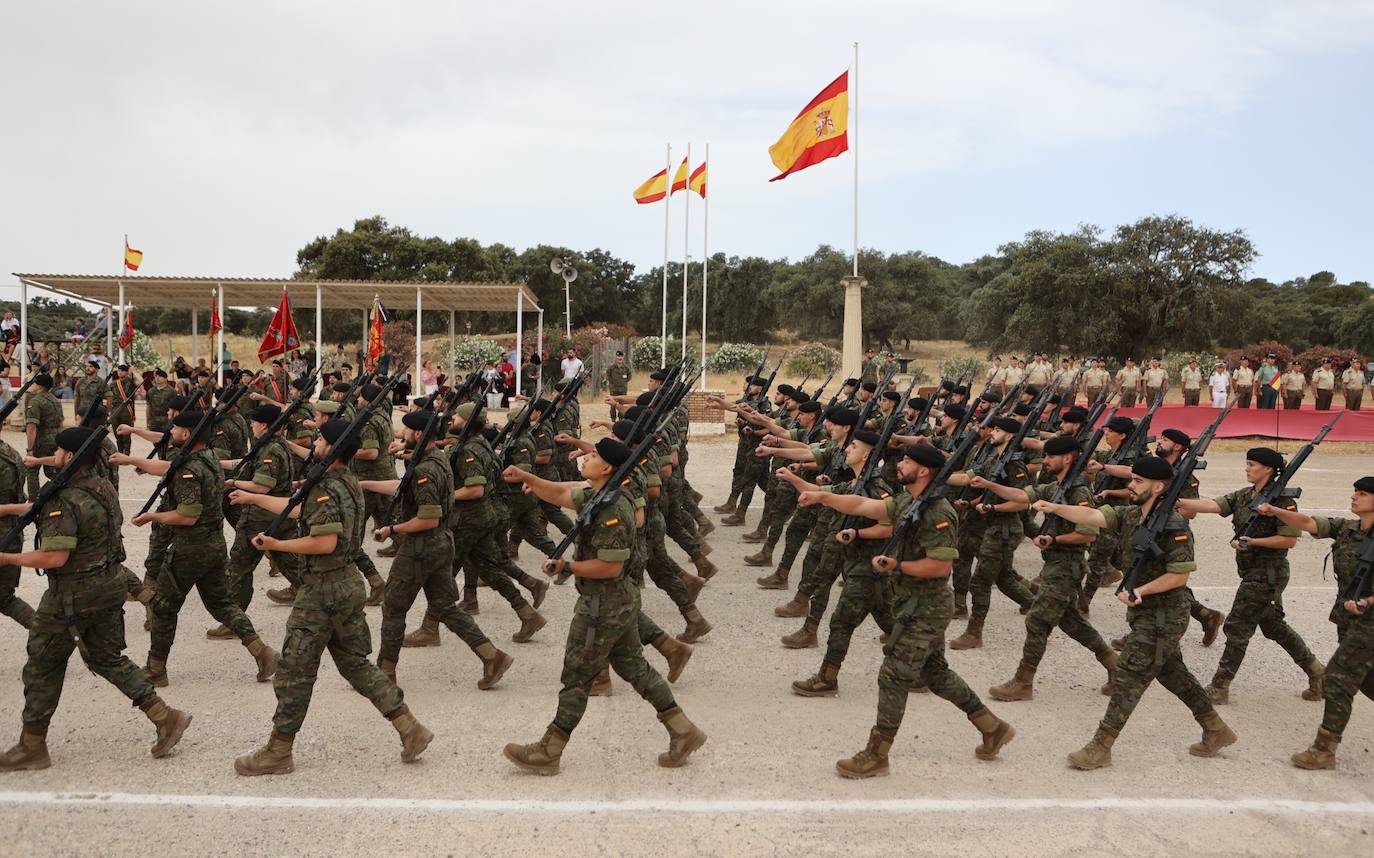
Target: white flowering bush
[
  {"x": 815, "y": 359},
  {"x": 645, "y": 355},
  {"x": 472, "y": 353},
  {"x": 969, "y": 368},
  {"x": 735, "y": 357}
]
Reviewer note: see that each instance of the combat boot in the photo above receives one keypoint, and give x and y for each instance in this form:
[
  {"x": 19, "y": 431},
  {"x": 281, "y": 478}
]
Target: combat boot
[
  {"x": 826, "y": 683},
  {"x": 531, "y": 621},
  {"x": 803, "y": 638},
  {"x": 684, "y": 737},
  {"x": 1322, "y": 754},
  {"x": 1109, "y": 578},
  {"x": 799, "y": 606},
  {"x": 274, "y": 758},
  {"x": 1314, "y": 671},
  {"x": 764, "y": 556},
  {"x": 495, "y": 663},
  {"x": 376, "y": 592},
  {"x": 1097, "y": 753},
  {"x": 601, "y": 686},
  {"x": 697, "y": 627},
  {"x": 996, "y": 733},
  {"x": 704, "y": 548},
  {"x": 285, "y": 596},
  {"x": 676, "y": 652},
  {"x": 1118, "y": 643},
  {"x": 960, "y": 605},
  {"x": 156, "y": 671},
  {"x": 728, "y": 506},
  {"x": 170, "y": 723},
  {"x": 1108, "y": 660},
  {"x": 694, "y": 584},
  {"x": 542, "y": 757},
  {"x": 871, "y": 762},
  {"x": 426, "y": 635},
  {"x": 220, "y": 632},
  {"x": 972, "y": 638},
  {"x": 414, "y": 736},
  {"x": 776, "y": 581},
  {"x": 734, "y": 519},
  {"x": 1215, "y": 736},
  {"x": 705, "y": 527},
  {"x": 539, "y": 589},
  {"x": 1219, "y": 692},
  {"x": 1019, "y": 687},
  {"x": 1212, "y": 621},
  {"x": 388, "y": 550},
  {"x": 264, "y": 655},
  {"x": 29, "y": 754},
  {"x": 469, "y": 602},
  {"x": 705, "y": 568},
  {"x": 758, "y": 534},
  {"x": 387, "y": 666}
]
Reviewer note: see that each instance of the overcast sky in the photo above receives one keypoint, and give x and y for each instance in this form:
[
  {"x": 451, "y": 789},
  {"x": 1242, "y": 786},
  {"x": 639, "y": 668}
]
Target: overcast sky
[{"x": 223, "y": 138}]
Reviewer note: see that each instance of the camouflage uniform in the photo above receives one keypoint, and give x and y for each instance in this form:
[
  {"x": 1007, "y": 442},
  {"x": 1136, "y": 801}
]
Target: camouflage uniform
[
  {"x": 1351, "y": 668},
  {"x": 605, "y": 622},
  {"x": 375, "y": 434},
  {"x": 1259, "y": 596},
  {"x": 87, "y": 391},
  {"x": 751, "y": 471},
  {"x": 526, "y": 513},
  {"x": 996, "y": 553},
  {"x": 1103, "y": 551},
  {"x": 83, "y": 607},
  {"x": 44, "y": 411},
  {"x": 274, "y": 469},
  {"x": 864, "y": 591},
  {"x": 550, "y": 470},
  {"x": 473, "y": 523},
  {"x": 822, "y": 564},
  {"x": 328, "y": 611},
  {"x": 618, "y": 384},
  {"x": 1056, "y": 602},
  {"x": 12, "y": 491},
  {"x": 157, "y": 400},
  {"x": 679, "y": 524},
  {"x": 663, "y": 570}
]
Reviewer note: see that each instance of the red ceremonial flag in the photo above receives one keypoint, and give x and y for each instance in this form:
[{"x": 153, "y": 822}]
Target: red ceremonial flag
[
  {"x": 126, "y": 336},
  {"x": 281, "y": 334},
  {"x": 376, "y": 346},
  {"x": 215, "y": 323}
]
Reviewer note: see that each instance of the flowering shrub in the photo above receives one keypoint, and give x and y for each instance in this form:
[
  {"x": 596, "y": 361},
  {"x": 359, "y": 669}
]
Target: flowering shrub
[
  {"x": 735, "y": 357},
  {"x": 969, "y": 368},
  {"x": 815, "y": 358},
  {"x": 645, "y": 353},
  {"x": 471, "y": 353}
]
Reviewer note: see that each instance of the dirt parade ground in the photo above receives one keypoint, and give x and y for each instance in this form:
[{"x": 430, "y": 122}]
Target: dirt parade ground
[{"x": 764, "y": 783}]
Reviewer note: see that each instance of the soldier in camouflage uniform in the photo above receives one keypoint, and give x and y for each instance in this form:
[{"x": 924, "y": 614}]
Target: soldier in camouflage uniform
[
  {"x": 1062, "y": 551},
  {"x": 374, "y": 463},
  {"x": 921, "y": 605},
  {"x": 547, "y": 460},
  {"x": 784, "y": 400},
  {"x": 42, "y": 421},
  {"x": 328, "y": 613},
  {"x": 617, "y": 381},
  {"x": 807, "y": 425},
  {"x": 1109, "y": 487},
  {"x": 158, "y": 536},
  {"x": 12, "y": 503},
  {"x": 526, "y": 513},
  {"x": 89, "y": 388},
  {"x": 158, "y": 398},
  {"x": 195, "y": 557},
  {"x": 605, "y": 625},
  {"x": 83, "y": 608},
  {"x": 117, "y": 398},
  {"x": 750, "y": 471},
  {"x": 1261, "y": 549},
  {"x": 424, "y": 560},
  {"x": 1158, "y": 617},
  {"x": 1351, "y": 668}
]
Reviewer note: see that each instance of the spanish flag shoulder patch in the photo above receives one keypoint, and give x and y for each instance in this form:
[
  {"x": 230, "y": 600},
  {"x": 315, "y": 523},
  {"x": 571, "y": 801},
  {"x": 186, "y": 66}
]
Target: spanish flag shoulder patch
[
  {"x": 611, "y": 522},
  {"x": 55, "y": 513},
  {"x": 941, "y": 525},
  {"x": 422, "y": 481},
  {"x": 1182, "y": 537},
  {"x": 188, "y": 476},
  {"x": 322, "y": 499}
]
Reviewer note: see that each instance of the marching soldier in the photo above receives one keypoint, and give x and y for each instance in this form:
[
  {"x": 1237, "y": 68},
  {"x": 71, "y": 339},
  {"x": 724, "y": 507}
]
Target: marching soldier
[
  {"x": 159, "y": 395},
  {"x": 42, "y": 421},
  {"x": 1324, "y": 385},
  {"x": 1243, "y": 382},
  {"x": 1352, "y": 382},
  {"x": 373, "y": 462},
  {"x": 617, "y": 382},
  {"x": 1109, "y": 488},
  {"x": 89, "y": 388},
  {"x": 12, "y": 504}
]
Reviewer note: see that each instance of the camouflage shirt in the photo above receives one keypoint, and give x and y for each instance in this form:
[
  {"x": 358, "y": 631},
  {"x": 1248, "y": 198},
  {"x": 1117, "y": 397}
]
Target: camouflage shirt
[
  {"x": 1176, "y": 543},
  {"x": 377, "y": 434},
  {"x": 44, "y": 411},
  {"x": 12, "y": 477},
  {"x": 335, "y": 505},
  {"x": 196, "y": 491},
  {"x": 429, "y": 496},
  {"x": 611, "y": 536},
  {"x": 84, "y": 519},
  {"x": 158, "y": 398},
  {"x": 1237, "y": 506}
]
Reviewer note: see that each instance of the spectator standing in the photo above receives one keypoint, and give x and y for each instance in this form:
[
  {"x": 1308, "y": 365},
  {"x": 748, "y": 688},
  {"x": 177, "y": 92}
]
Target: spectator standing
[
  {"x": 1268, "y": 371},
  {"x": 1353, "y": 382},
  {"x": 1191, "y": 381},
  {"x": 1324, "y": 385},
  {"x": 1243, "y": 381},
  {"x": 1220, "y": 382}
]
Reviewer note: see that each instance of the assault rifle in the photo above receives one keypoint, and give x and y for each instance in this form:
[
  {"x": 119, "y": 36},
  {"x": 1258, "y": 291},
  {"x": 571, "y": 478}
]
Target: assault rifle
[
  {"x": 1135, "y": 444},
  {"x": 1363, "y": 579},
  {"x": 1278, "y": 487},
  {"x": 207, "y": 420},
  {"x": 1085, "y": 452},
  {"x": 282, "y": 420},
  {"x": 875, "y": 455},
  {"x": 1012, "y": 452},
  {"x": 837, "y": 461},
  {"x": 56, "y": 484},
  {"x": 16, "y": 398}
]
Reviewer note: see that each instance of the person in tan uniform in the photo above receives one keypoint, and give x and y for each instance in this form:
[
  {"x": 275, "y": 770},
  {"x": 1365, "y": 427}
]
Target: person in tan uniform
[
  {"x": 1014, "y": 374},
  {"x": 1353, "y": 382},
  {"x": 1191, "y": 380},
  {"x": 997, "y": 376},
  {"x": 1039, "y": 371},
  {"x": 1064, "y": 380},
  {"x": 1128, "y": 379},
  {"x": 1293, "y": 384},
  {"x": 1156, "y": 379},
  {"x": 1324, "y": 385},
  {"x": 1095, "y": 380},
  {"x": 1243, "y": 383}
]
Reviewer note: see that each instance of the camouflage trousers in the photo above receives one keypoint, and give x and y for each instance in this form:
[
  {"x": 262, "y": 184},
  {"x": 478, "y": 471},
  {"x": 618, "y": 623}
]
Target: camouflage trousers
[
  {"x": 663, "y": 570},
  {"x": 244, "y": 557},
  {"x": 31, "y": 476},
  {"x": 431, "y": 573},
  {"x": 820, "y": 569},
  {"x": 605, "y": 629},
  {"x": 753, "y": 474},
  {"x": 159, "y": 539},
  {"x": 783, "y": 499},
  {"x": 199, "y": 567},
  {"x": 679, "y": 524},
  {"x": 1055, "y": 605},
  {"x": 1350, "y": 670},
  {"x": 93, "y": 607},
  {"x": 376, "y": 507},
  {"x": 864, "y": 592},
  {"x": 995, "y": 556},
  {"x": 1100, "y": 556},
  {"x": 10, "y": 604},
  {"x": 476, "y": 555},
  {"x": 328, "y": 615},
  {"x": 798, "y": 529},
  {"x": 1149, "y": 652},
  {"x": 915, "y": 654},
  {"x": 527, "y": 522},
  {"x": 1257, "y": 605},
  {"x": 554, "y": 514},
  {"x": 971, "y": 529}
]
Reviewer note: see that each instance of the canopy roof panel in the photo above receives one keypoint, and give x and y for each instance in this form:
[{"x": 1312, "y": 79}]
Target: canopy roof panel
[{"x": 264, "y": 292}]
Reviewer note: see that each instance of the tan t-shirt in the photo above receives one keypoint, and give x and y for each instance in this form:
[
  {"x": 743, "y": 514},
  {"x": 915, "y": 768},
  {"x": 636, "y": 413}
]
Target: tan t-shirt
[
  {"x": 1128, "y": 376},
  {"x": 1323, "y": 379},
  {"x": 1243, "y": 377},
  {"x": 1352, "y": 378},
  {"x": 1156, "y": 376}
]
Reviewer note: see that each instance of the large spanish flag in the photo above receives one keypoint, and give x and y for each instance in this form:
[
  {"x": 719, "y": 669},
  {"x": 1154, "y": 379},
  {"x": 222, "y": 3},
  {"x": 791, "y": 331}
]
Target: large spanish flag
[
  {"x": 680, "y": 178},
  {"x": 819, "y": 131},
  {"x": 653, "y": 190},
  {"x": 698, "y": 181}
]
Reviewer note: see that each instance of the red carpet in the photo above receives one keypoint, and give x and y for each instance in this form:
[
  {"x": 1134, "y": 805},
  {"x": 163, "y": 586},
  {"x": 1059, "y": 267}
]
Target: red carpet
[{"x": 1301, "y": 425}]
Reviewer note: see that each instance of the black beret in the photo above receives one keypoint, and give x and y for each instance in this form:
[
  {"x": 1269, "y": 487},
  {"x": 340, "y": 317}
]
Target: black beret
[
  {"x": 176, "y": 403},
  {"x": 924, "y": 454},
  {"x": 418, "y": 420},
  {"x": 277, "y": 362},
  {"x": 535, "y": 359},
  {"x": 346, "y": 365},
  {"x": 893, "y": 395},
  {"x": 989, "y": 396},
  {"x": 371, "y": 391},
  {"x": 645, "y": 398},
  {"x": 870, "y": 386},
  {"x": 72, "y": 439},
  {"x": 1121, "y": 424},
  {"x": 42, "y": 379},
  {"x": 341, "y": 387},
  {"x": 917, "y": 403},
  {"x": 946, "y": 384},
  {"x": 850, "y": 382},
  {"x": 1021, "y": 409},
  {"x": 785, "y": 389},
  {"x": 1178, "y": 436},
  {"x": 124, "y": 367},
  {"x": 1153, "y": 468},
  {"x": 265, "y": 413},
  {"x": 622, "y": 429},
  {"x": 1267, "y": 456},
  {"x": 955, "y": 411},
  {"x": 842, "y": 417},
  {"x": 1030, "y": 390},
  {"x": 1060, "y": 444},
  {"x": 188, "y": 419},
  {"x": 1073, "y": 415},
  {"x": 756, "y": 380},
  {"x": 799, "y": 395},
  {"x": 1365, "y": 484},
  {"x": 633, "y": 412},
  {"x": 659, "y": 375},
  {"x": 962, "y": 390},
  {"x": 620, "y": 354},
  {"x": 94, "y": 413},
  {"x": 160, "y": 371},
  {"x": 1006, "y": 424},
  {"x": 810, "y": 406},
  {"x": 334, "y": 429},
  {"x": 613, "y": 452},
  {"x": 540, "y": 405},
  {"x": 301, "y": 383},
  {"x": 94, "y": 363},
  {"x": 864, "y": 436}
]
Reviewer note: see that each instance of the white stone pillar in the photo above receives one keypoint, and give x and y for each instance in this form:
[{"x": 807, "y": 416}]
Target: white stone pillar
[{"x": 853, "y": 351}]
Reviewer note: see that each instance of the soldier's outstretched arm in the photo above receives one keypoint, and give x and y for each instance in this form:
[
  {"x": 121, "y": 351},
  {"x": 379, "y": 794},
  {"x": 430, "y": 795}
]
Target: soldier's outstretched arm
[
  {"x": 1196, "y": 505},
  {"x": 157, "y": 467},
  {"x": 381, "y": 487},
  {"x": 558, "y": 494},
  {"x": 1077, "y": 514},
  {"x": 847, "y": 504},
  {"x": 1291, "y": 517},
  {"x": 268, "y": 503},
  {"x": 36, "y": 559}
]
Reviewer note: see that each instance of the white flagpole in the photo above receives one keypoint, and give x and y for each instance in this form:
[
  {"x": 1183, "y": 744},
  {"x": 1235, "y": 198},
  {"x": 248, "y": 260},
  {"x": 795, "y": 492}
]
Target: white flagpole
[
  {"x": 705, "y": 253},
  {"x": 853, "y": 135},
  {"x": 667, "y": 198},
  {"x": 686, "y": 222}
]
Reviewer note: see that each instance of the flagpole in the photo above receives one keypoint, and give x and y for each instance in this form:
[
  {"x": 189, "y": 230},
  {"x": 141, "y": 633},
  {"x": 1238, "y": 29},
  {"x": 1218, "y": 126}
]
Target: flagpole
[
  {"x": 686, "y": 222},
  {"x": 705, "y": 251},
  {"x": 667, "y": 198},
  {"x": 853, "y": 135}
]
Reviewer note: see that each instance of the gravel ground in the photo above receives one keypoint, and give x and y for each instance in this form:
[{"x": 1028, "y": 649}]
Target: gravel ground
[{"x": 763, "y": 784}]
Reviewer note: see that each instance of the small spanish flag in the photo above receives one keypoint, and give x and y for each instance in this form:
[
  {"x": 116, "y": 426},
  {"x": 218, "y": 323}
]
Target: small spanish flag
[
  {"x": 698, "y": 181},
  {"x": 1276, "y": 382},
  {"x": 819, "y": 131},
  {"x": 680, "y": 177},
  {"x": 653, "y": 190},
  {"x": 132, "y": 258}
]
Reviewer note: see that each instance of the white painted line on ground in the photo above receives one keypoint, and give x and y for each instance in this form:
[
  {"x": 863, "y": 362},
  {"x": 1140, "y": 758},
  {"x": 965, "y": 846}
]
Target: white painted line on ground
[{"x": 703, "y": 806}]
